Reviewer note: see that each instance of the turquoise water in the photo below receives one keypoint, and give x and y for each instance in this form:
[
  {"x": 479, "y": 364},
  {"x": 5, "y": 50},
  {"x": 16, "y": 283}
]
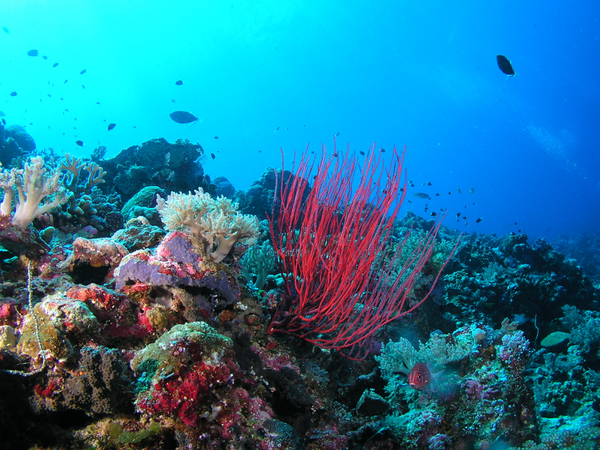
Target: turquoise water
[{"x": 265, "y": 75}]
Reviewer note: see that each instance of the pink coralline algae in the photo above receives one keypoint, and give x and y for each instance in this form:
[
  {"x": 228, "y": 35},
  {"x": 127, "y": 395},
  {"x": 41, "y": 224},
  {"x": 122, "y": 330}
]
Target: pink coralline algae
[
  {"x": 120, "y": 317},
  {"x": 188, "y": 379}
]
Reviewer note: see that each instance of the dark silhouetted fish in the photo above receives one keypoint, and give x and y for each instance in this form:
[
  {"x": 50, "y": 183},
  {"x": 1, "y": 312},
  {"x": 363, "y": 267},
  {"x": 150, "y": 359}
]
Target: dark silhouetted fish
[
  {"x": 362, "y": 153},
  {"x": 45, "y": 57},
  {"x": 32, "y": 53},
  {"x": 55, "y": 64},
  {"x": 111, "y": 126},
  {"x": 337, "y": 134},
  {"x": 216, "y": 137},
  {"x": 212, "y": 155},
  {"x": 13, "y": 93},
  {"x": 183, "y": 117},
  {"x": 505, "y": 65},
  {"x": 3, "y": 121},
  {"x": 80, "y": 143},
  {"x": 179, "y": 82},
  {"x": 478, "y": 220},
  {"x": 82, "y": 72}
]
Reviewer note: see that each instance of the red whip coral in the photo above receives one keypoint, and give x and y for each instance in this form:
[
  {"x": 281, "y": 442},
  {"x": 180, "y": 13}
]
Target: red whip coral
[{"x": 340, "y": 290}]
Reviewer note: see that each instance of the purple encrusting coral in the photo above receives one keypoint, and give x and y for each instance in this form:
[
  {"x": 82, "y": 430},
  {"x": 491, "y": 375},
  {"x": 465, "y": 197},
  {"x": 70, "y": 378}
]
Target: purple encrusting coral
[{"x": 177, "y": 262}]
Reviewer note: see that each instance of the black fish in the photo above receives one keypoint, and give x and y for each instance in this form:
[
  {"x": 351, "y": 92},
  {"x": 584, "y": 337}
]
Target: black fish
[
  {"x": 505, "y": 65},
  {"x": 433, "y": 213},
  {"x": 13, "y": 93},
  {"x": 3, "y": 121},
  {"x": 45, "y": 57},
  {"x": 277, "y": 129},
  {"x": 362, "y": 153},
  {"x": 183, "y": 117},
  {"x": 179, "y": 82},
  {"x": 457, "y": 215},
  {"x": 80, "y": 143},
  {"x": 216, "y": 137},
  {"x": 111, "y": 126},
  {"x": 55, "y": 64},
  {"x": 337, "y": 134},
  {"x": 82, "y": 72},
  {"x": 32, "y": 53},
  {"x": 65, "y": 81},
  {"x": 478, "y": 220},
  {"x": 212, "y": 155}
]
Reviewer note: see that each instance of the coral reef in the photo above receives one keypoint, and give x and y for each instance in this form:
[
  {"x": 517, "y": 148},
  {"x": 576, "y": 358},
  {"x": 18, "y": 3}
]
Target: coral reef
[
  {"x": 15, "y": 143},
  {"x": 171, "y": 167},
  {"x": 143, "y": 204},
  {"x": 215, "y": 222},
  {"x": 135, "y": 337},
  {"x": 34, "y": 183},
  {"x": 179, "y": 271}
]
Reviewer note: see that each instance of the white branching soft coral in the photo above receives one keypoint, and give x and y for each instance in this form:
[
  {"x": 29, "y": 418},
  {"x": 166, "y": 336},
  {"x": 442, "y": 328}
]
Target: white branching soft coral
[
  {"x": 33, "y": 184},
  {"x": 216, "y": 222}
]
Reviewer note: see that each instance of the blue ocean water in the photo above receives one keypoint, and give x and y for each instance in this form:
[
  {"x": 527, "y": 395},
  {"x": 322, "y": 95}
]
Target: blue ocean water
[{"x": 265, "y": 75}]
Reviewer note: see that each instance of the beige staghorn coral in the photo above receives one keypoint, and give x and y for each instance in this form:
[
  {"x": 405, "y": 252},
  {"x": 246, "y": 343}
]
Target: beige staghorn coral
[
  {"x": 216, "y": 222},
  {"x": 34, "y": 183}
]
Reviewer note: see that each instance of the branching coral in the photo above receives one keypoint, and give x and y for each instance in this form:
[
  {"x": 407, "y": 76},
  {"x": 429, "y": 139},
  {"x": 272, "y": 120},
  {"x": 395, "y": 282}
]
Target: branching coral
[
  {"x": 34, "y": 183},
  {"x": 216, "y": 222},
  {"x": 258, "y": 262}
]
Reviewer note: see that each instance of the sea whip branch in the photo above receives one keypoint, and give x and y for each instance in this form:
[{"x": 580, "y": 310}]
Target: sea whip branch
[{"x": 339, "y": 291}]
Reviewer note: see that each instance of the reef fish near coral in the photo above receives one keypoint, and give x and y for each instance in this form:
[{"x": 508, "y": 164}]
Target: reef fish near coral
[
  {"x": 32, "y": 53},
  {"x": 183, "y": 117}
]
